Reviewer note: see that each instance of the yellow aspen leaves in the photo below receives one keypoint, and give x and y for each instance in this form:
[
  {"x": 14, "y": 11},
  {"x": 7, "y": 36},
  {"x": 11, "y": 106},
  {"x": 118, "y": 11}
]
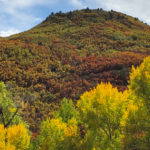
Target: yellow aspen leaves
[
  {"x": 140, "y": 81},
  {"x": 55, "y": 134},
  {"x": 14, "y": 138},
  {"x": 102, "y": 109}
]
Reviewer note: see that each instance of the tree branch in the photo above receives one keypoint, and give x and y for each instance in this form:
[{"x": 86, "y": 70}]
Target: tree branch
[{"x": 9, "y": 122}]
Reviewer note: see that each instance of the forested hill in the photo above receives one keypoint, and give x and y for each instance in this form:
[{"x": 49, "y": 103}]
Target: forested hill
[{"x": 70, "y": 53}]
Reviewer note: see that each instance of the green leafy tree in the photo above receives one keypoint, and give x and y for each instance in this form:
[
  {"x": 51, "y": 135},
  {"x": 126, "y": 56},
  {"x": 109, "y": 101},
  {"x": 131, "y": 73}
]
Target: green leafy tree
[
  {"x": 58, "y": 135},
  {"x": 140, "y": 82},
  {"x": 67, "y": 110},
  {"x": 8, "y": 111},
  {"x": 61, "y": 132},
  {"x": 101, "y": 111},
  {"x": 14, "y": 134},
  {"x": 137, "y": 127}
]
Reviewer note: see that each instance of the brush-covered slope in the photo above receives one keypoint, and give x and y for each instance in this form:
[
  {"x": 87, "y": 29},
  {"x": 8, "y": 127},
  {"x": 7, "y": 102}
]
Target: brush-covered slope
[
  {"x": 90, "y": 32},
  {"x": 68, "y": 54}
]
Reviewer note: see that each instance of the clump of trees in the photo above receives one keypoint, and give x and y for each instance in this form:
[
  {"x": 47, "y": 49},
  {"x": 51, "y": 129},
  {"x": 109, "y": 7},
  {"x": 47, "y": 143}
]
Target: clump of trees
[
  {"x": 14, "y": 134},
  {"x": 103, "y": 118}
]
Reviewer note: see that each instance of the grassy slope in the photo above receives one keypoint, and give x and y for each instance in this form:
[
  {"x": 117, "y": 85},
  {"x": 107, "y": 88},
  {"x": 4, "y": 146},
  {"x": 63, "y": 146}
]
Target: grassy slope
[{"x": 68, "y": 54}]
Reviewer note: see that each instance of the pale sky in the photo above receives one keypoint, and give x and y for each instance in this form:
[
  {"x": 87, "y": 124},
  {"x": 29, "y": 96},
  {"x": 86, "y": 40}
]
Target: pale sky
[{"x": 20, "y": 15}]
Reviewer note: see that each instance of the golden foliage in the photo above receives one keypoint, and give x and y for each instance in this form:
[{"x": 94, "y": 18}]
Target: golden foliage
[
  {"x": 14, "y": 138},
  {"x": 101, "y": 110},
  {"x": 57, "y": 134}
]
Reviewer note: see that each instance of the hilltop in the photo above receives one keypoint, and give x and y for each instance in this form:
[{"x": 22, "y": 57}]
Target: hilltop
[{"x": 68, "y": 54}]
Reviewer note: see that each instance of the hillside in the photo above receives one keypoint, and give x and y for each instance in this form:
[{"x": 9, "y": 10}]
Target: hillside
[{"x": 70, "y": 53}]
